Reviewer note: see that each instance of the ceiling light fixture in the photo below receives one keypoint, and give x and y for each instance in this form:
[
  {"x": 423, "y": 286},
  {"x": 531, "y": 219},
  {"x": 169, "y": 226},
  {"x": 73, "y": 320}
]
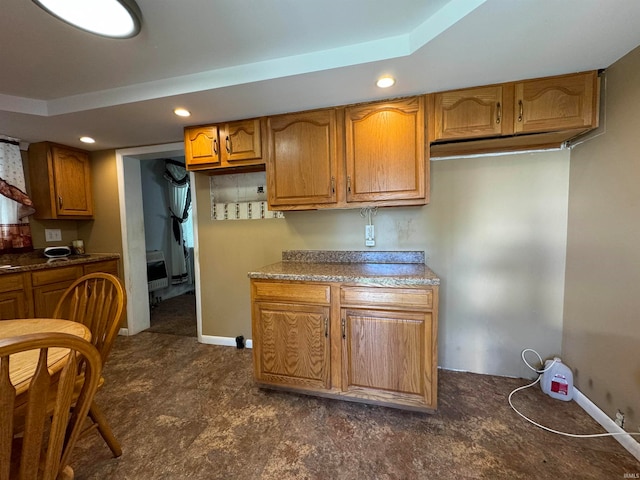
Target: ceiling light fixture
[
  {"x": 386, "y": 81},
  {"x": 182, "y": 112},
  {"x": 87, "y": 140},
  {"x": 107, "y": 18}
]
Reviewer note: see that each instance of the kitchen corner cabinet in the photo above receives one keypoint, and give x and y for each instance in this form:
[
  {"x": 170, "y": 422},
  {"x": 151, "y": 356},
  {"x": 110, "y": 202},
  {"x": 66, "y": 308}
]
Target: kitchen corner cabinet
[
  {"x": 361, "y": 343},
  {"x": 554, "y": 108},
  {"x": 229, "y": 146},
  {"x": 302, "y": 161},
  {"x": 60, "y": 182},
  {"x": 362, "y": 155}
]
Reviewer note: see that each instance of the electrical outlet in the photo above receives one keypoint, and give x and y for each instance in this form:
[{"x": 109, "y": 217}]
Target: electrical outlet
[
  {"x": 369, "y": 236},
  {"x": 52, "y": 234}
]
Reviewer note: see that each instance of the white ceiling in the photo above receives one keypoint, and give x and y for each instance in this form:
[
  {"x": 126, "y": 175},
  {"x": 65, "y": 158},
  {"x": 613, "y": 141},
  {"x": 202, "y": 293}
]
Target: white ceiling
[{"x": 226, "y": 60}]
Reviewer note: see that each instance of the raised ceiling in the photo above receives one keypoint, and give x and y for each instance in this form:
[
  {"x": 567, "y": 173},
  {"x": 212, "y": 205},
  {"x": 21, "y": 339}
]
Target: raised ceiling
[{"x": 226, "y": 60}]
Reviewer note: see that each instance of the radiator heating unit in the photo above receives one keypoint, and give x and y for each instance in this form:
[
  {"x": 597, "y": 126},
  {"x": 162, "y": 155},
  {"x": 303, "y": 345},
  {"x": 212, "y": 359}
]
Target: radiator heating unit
[{"x": 157, "y": 277}]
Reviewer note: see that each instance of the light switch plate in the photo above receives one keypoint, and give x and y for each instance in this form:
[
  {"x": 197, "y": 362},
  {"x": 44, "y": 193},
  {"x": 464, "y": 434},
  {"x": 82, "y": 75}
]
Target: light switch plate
[{"x": 52, "y": 234}]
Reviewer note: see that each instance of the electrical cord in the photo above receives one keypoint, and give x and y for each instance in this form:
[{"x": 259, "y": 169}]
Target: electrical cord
[{"x": 540, "y": 372}]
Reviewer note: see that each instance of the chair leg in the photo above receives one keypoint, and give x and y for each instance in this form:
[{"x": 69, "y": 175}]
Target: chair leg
[{"x": 105, "y": 430}]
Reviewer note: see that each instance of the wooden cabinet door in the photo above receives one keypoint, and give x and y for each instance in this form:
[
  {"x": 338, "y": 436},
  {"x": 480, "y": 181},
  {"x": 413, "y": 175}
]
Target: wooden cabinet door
[
  {"x": 291, "y": 344},
  {"x": 201, "y": 147},
  {"x": 556, "y": 103},
  {"x": 386, "y": 355},
  {"x": 385, "y": 151},
  {"x": 473, "y": 113},
  {"x": 13, "y": 305},
  {"x": 241, "y": 142},
  {"x": 46, "y": 298},
  {"x": 72, "y": 182},
  {"x": 302, "y": 159}
]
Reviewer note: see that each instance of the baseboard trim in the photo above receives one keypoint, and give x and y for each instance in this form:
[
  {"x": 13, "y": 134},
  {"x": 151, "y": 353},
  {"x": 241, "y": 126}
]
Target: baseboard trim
[
  {"x": 224, "y": 341},
  {"x": 626, "y": 440},
  {"x": 124, "y": 331}
]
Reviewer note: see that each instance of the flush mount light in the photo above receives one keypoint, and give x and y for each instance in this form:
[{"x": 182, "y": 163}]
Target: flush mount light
[
  {"x": 386, "y": 81},
  {"x": 87, "y": 140},
  {"x": 182, "y": 112},
  {"x": 108, "y": 18}
]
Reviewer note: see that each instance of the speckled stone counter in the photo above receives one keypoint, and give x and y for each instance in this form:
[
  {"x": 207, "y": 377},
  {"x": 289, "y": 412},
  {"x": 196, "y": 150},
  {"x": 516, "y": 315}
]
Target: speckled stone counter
[
  {"x": 372, "y": 268},
  {"x": 27, "y": 262}
]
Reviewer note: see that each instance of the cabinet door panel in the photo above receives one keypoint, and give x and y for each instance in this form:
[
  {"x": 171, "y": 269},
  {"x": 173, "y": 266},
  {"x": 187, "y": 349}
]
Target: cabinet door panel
[
  {"x": 242, "y": 141},
  {"x": 13, "y": 305},
  {"x": 385, "y": 151},
  {"x": 72, "y": 180},
  {"x": 302, "y": 160},
  {"x": 292, "y": 344},
  {"x": 46, "y": 298},
  {"x": 387, "y": 352},
  {"x": 471, "y": 113},
  {"x": 556, "y": 103},
  {"x": 202, "y": 149}
]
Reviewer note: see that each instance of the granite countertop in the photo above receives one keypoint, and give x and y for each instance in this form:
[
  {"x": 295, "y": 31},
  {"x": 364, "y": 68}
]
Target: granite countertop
[
  {"x": 26, "y": 262},
  {"x": 373, "y": 268}
]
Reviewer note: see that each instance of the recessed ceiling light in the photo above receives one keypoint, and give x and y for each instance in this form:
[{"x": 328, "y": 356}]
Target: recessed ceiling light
[
  {"x": 108, "y": 18},
  {"x": 386, "y": 81},
  {"x": 182, "y": 112},
  {"x": 87, "y": 140}
]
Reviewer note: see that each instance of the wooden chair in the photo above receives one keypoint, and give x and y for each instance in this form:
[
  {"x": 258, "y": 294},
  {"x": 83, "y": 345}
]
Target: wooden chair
[
  {"x": 96, "y": 300},
  {"x": 51, "y": 425}
]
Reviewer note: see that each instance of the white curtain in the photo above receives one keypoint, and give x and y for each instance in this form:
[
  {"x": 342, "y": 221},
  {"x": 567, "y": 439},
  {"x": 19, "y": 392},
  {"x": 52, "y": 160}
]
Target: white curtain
[
  {"x": 179, "y": 204},
  {"x": 15, "y": 204}
]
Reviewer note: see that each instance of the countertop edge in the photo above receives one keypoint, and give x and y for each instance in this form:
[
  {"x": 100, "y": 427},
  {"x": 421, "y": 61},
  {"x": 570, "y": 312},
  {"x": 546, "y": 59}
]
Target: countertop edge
[{"x": 45, "y": 263}]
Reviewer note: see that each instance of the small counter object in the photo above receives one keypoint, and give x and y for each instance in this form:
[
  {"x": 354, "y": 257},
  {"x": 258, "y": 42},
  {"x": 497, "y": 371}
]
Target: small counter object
[
  {"x": 57, "y": 252},
  {"x": 359, "y": 326}
]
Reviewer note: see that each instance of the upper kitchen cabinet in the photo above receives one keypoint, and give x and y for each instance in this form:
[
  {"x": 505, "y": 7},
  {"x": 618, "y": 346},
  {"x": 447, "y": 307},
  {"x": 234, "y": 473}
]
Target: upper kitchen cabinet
[
  {"x": 385, "y": 153},
  {"x": 349, "y": 157},
  {"x": 556, "y": 103},
  {"x": 60, "y": 181},
  {"x": 472, "y": 113},
  {"x": 302, "y": 160},
  {"x": 231, "y": 146},
  {"x": 534, "y": 113}
]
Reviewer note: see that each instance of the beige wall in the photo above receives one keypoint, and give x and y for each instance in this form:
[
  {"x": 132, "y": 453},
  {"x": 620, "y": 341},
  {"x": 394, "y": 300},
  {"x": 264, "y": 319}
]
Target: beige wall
[
  {"x": 102, "y": 235},
  {"x": 602, "y": 330},
  {"x": 495, "y": 232}
]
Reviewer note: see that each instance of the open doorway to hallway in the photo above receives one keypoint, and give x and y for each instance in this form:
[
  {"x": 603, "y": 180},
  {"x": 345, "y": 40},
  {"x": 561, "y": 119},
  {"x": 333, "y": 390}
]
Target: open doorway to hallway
[
  {"x": 171, "y": 295},
  {"x": 129, "y": 165}
]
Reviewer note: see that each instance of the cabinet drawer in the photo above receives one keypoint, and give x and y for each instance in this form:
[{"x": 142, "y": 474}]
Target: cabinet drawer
[
  {"x": 402, "y": 298},
  {"x": 109, "y": 266},
  {"x": 9, "y": 283},
  {"x": 55, "y": 275},
  {"x": 292, "y": 292}
]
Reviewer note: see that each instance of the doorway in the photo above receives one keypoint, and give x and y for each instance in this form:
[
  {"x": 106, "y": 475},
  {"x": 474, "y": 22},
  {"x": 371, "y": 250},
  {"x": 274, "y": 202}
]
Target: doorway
[{"x": 128, "y": 165}]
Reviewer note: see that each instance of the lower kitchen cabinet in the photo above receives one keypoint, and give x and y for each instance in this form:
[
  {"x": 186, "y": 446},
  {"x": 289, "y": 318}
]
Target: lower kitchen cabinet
[
  {"x": 362, "y": 343},
  {"x": 48, "y": 287},
  {"x": 16, "y": 299},
  {"x": 36, "y": 294},
  {"x": 293, "y": 344}
]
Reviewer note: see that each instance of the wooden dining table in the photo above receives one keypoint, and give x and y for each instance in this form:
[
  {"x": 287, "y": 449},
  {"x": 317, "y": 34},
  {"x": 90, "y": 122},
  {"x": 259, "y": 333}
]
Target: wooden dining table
[{"x": 22, "y": 365}]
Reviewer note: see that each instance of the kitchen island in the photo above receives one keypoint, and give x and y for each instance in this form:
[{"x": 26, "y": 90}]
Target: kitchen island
[
  {"x": 31, "y": 284},
  {"x": 359, "y": 326}
]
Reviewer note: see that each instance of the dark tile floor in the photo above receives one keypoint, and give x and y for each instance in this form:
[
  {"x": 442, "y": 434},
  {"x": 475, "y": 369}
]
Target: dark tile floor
[{"x": 187, "y": 410}]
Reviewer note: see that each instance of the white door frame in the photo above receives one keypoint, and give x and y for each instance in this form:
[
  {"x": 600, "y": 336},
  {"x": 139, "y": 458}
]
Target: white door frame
[{"x": 132, "y": 229}]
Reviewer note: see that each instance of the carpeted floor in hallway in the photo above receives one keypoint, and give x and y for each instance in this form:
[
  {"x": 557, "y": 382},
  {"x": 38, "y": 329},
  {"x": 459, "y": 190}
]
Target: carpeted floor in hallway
[{"x": 182, "y": 409}]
